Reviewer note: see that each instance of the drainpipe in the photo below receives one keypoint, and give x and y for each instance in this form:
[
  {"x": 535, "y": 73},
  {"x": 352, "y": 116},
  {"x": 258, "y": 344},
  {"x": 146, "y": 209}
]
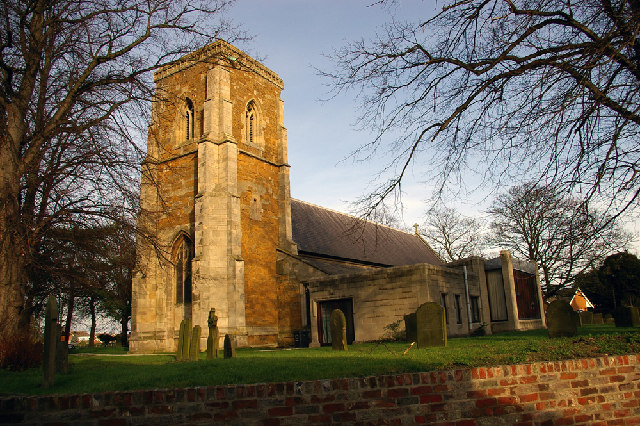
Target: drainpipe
[{"x": 466, "y": 290}]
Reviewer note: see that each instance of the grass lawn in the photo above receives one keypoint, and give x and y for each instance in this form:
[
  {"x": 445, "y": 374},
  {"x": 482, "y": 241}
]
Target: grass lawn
[{"x": 106, "y": 371}]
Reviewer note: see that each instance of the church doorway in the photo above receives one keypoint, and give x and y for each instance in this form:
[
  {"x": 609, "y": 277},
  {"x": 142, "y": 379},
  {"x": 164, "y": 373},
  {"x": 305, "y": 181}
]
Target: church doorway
[
  {"x": 526, "y": 295},
  {"x": 324, "y": 319}
]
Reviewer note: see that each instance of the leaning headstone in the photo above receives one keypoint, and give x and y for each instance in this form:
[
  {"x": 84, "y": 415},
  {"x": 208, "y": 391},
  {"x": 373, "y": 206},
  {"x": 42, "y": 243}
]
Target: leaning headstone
[
  {"x": 562, "y": 320},
  {"x": 626, "y": 316},
  {"x": 431, "y": 325},
  {"x": 586, "y": 317},
  {"x": 62, "y": 353},
  {"x": 50, "y": 342},
  {"x": 229, "y": 346},
  {"x": 186, "y": 341},
  {"x": 598, "y": 319},
  {"x": 179, "y": 350},
  {"x": 338, "y": 330},
  {"x": 194, "y": 348},
  {"x": 411, "y": 327},
  {"x": 212, "y": 340}
]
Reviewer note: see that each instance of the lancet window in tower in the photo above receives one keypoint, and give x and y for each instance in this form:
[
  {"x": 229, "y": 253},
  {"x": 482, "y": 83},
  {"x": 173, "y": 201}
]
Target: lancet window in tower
[
  {"x": 252, "y": 120},
  {"x": 189, "y": 119},
  {"x": 183, "y": 256}
]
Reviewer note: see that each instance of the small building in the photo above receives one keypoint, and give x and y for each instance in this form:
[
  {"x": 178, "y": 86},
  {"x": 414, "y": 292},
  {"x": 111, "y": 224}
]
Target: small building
[
  {"x": 376, "y": 275},
  {"x": 580, "y": 302},
  {"x": 80, "y": 336}
]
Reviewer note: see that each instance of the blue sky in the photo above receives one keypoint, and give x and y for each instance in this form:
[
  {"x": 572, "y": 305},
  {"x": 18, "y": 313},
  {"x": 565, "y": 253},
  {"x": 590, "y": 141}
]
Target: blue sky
[{"x": 293, "y": 37}]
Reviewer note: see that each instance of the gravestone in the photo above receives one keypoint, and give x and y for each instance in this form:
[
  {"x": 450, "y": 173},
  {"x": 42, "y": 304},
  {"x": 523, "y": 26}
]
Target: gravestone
[
  {"x": 229, "y": 346},
  {"x": 338, "y": 330},
  {"x": 179, "y": 353},
  {"x": 51, "y": 328},
  {"x": 626, "y": 316},
  {"x": 186, "y": 341},
  {"x": 194, "y": 347},
  {"x": 609, "y": 320},
  {"x": 430, "y": 325},
  {"x": 586, "y": 317},
  {"x": 562, "y": 320},
  {"x": 62, "y": 353},
  {"x": 411, "y": 327},
  {"x": 597, "y": 319},
  {"x": 213, "y": 339}
]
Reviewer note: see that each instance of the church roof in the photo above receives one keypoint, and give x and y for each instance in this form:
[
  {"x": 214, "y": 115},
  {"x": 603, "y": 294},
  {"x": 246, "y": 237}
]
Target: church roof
[
  {"x": 322, "y": 233},
  {"x": 335, "y": 266}
]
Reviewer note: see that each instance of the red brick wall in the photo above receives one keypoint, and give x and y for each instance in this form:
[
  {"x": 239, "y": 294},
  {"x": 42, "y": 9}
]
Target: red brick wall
[{"x": 597, "y": 391}]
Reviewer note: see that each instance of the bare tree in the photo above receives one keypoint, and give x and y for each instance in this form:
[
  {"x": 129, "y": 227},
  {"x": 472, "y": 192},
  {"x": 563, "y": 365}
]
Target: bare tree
[
  {"x": 508, "y": 89},
  {"x": 74, "y": 79},
  {"x": 562, "y": 235},
  {"x": 89, "y": 269},
  {"x": 453, "y": 235},
  {"x": 388, "y": 216},
  {"x": 120, "y": 261}
]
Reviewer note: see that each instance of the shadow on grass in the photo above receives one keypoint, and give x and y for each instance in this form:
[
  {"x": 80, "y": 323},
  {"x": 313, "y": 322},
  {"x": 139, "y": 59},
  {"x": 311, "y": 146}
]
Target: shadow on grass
[{"x": 98, "y": 373}]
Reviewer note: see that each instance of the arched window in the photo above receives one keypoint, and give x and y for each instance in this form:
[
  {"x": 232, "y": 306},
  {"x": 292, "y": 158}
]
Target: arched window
[
  {"x": 189, "y": 119},
  {"x": 252, "y": 122},
  {"x": 182, "y": 259}
]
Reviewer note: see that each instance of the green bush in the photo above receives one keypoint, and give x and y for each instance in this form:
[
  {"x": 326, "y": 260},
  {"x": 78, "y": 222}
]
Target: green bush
[
  {"x": 106, "y": 338},
  {"x": 394, "y": 331},
  {"x": 20, "y": 353}
]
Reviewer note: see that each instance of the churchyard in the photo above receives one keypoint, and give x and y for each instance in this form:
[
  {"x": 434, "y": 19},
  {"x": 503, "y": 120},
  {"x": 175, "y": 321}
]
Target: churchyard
[{"x": 111, "y": 369}]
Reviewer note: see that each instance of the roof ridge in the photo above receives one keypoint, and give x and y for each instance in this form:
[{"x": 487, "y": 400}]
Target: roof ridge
[
  {"x": 426, "y": 243},
  {"x": 356, "y": 217}
]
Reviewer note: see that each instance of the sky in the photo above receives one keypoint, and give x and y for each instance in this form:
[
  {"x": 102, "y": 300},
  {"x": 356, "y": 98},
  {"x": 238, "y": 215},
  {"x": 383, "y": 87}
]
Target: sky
[{"x": 293, "y": 38}]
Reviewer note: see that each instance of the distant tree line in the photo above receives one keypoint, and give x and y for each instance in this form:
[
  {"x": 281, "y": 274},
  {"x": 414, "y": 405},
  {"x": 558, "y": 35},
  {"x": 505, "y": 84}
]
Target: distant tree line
[
  {"x": 89, "y": 269},
  {"x": 75, "y": 91},
  {"x": 535, "y": 222},
  {"x": 614, "y": 283}
]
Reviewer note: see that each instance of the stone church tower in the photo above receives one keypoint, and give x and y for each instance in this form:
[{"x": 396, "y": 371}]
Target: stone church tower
[{"x": 215, "y": 200}]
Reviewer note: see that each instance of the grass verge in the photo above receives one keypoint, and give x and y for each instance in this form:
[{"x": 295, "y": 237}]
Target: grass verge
[{"x": 106, "y": 372}]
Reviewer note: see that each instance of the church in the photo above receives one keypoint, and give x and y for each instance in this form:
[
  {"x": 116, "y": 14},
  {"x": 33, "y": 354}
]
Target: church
[{"x": 223, "y": 232}]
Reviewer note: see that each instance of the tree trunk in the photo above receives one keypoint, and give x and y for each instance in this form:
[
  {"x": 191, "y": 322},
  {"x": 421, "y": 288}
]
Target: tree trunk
[
  {"x": 70, "y": 307},
  {"x": 13, "y": 254},
  {"x": 92, "y": 334},
  {"x": 613, "y": 293},
  {"x": 124, "y": 330},
  {"x": 548, "y": 292},
  {"x": 13, "y": 319}
]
